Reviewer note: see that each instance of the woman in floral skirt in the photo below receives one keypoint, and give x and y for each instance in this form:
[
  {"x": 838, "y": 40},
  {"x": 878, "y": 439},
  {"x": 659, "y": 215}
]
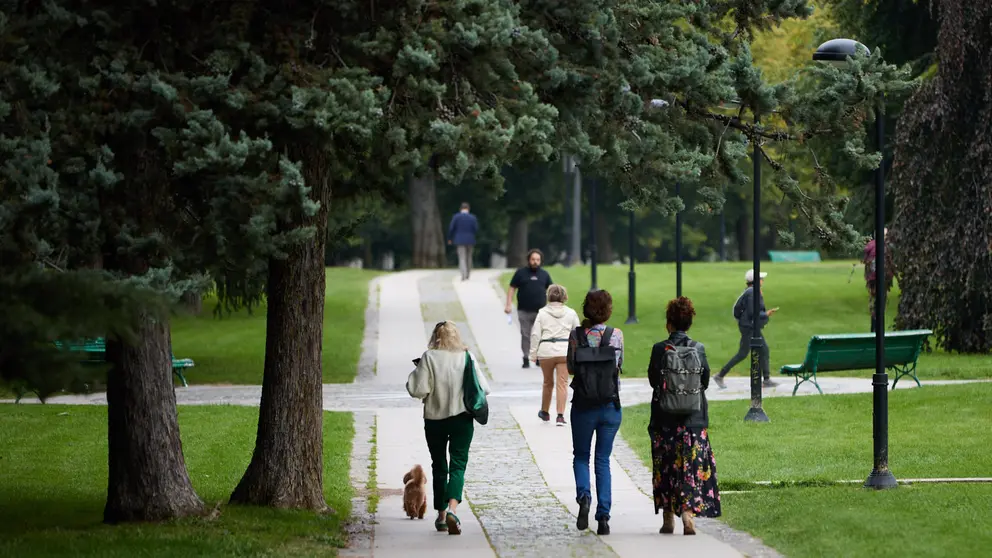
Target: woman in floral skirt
[{"x": 684, "y": 468}]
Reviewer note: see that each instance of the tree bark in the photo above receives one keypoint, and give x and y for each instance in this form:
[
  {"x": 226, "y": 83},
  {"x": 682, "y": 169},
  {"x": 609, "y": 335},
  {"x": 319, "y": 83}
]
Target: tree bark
[
  {"x": 193, "y": 301},
  {"x": 604, "y": 239},
  {"x": 428, "y": 236},
  {"x": 516, "y": 254},
  {"x": 147, "y": 472},
  {"x": 286, "y": 468},
  {"x": 744, "y": 244}
]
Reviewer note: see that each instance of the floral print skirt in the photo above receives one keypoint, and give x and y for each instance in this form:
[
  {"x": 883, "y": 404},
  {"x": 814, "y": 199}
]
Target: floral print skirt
[{"x": 684, "y": 472}]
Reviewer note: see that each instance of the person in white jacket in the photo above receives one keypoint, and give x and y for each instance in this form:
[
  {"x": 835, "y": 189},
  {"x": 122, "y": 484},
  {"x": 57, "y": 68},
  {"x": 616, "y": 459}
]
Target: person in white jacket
[
  {"x": 438, "y": 381},
  {"x": 549, "y": 346}
]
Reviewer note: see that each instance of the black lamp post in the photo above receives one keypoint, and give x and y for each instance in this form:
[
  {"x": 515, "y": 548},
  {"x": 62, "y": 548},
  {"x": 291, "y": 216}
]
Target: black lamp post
[
  {"x": 631, "y": 279},
  {"x": 756, "y": 413},
  {"x": 838, "y": 51},
  {"x": 678, "y": 244},
  {"x": 592, "y": 231}
]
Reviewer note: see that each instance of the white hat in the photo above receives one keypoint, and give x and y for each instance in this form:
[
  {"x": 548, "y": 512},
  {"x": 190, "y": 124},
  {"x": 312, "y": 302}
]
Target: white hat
[{"x": 749, "y": 276}]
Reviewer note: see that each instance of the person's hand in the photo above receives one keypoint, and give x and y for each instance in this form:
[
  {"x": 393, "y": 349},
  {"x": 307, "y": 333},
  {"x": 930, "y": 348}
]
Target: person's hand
[
  {"x": 508, "y": 309},
  {"x": 772, "y": 311},
  {"x": 449, "y": 243}
]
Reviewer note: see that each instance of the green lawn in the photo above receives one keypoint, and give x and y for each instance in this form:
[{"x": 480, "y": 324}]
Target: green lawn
[
  {"x": 231, "y": 349},
  {"x": 53, "y": 462},
  {"x": 814, "y": 299},
  {"x": 937, "y": 431}
]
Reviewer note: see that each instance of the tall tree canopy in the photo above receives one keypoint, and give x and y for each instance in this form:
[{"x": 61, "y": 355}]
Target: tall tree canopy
[{"x": 943, "y": 185}]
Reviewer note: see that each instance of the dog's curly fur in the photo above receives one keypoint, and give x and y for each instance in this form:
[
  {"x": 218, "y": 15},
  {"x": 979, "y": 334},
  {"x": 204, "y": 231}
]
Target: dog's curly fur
[{"x": 415, "y": 493}]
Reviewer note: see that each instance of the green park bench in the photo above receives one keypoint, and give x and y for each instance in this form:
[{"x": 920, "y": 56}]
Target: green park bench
[
  {"x": 95, "y": 351},
  {"x": 836, "y": 353},
  {"x": 793, "y": 256}
]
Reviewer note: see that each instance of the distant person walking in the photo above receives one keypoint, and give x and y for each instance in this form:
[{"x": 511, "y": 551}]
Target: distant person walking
[
  {"x": 549, "y": 349},
  {"x": 595, "y": 359},
  {"x": 743, "y": 312},
  {"x": 530, "y": 284},
  {"x": 461, "y": 233},
  {"x": 684, "y": 468},
  {"x": 870, "y": 276},
  {"x": 439, "y": 381}
]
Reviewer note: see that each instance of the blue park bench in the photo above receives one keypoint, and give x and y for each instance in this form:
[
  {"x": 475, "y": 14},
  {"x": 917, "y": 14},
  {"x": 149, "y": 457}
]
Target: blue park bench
[
  {"x": 95, "y": 351},
  {"x": 793, "y": 256},
  {"x": 836, "y": 353}
]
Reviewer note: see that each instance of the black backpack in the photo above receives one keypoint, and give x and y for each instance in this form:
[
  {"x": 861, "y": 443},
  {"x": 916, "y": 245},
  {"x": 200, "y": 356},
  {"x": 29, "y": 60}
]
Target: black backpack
[{"x": 597, "y": 376}]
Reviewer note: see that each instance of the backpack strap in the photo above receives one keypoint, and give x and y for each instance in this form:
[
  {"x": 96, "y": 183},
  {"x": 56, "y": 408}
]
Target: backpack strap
[{"x": 607, "y": 337}]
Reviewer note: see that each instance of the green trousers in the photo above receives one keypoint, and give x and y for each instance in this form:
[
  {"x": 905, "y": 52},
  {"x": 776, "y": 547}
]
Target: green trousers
[{"x": 451, "y": 436}]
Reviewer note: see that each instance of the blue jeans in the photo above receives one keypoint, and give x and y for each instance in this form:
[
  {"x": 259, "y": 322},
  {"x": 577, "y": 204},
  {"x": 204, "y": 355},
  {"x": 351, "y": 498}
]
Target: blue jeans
[{"x": 605, "y": 422}]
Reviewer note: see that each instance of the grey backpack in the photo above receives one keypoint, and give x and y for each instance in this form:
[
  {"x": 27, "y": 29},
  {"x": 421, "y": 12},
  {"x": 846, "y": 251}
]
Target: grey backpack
[{"x": 680, "y": 391}]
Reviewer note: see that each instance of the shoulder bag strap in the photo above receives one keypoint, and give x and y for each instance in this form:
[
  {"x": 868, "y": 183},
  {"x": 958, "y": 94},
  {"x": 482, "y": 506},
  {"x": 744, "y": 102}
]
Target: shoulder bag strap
[{"x": 580, "y": 337}]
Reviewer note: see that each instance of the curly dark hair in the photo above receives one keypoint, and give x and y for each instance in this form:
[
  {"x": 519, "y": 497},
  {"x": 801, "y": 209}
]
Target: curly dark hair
[
  {"x": 679, "y": 313},
  {"x": 597, "y": 308}
]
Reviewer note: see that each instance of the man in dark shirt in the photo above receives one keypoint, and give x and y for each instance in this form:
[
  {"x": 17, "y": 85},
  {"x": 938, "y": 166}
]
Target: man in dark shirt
[
  {"x": 743, "y": 312},
  {"x": 461, "y": 233},
  {"x": 531, "y": 287}
]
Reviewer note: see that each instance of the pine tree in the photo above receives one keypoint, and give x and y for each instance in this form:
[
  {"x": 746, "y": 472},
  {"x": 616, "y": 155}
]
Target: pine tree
[{"x": 144, "y": 191}]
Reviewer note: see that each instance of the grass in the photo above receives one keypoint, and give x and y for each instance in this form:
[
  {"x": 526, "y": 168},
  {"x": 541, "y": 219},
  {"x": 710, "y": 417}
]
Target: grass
[
  {"x": 231, "y": 349},
  {"x": 912, "y": 521},
  {"x": 372, "y": 484},
  {"x": 53, "y": 462},
  {"x": 814, "y": 299},
  {"x": 938, "y": 431}
]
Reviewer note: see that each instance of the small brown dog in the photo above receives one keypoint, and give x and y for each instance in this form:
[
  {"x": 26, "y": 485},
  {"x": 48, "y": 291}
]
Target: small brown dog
[{"x": 415, "y": 493}]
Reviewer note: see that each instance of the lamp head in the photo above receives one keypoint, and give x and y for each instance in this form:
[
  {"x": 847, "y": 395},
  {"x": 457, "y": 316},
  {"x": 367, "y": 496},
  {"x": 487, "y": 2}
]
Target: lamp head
[{"x": 837, "y": 51}]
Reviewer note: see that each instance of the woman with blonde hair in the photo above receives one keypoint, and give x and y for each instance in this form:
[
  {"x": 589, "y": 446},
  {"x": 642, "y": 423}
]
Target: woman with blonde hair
[
  {"x": 438, "y": 381},
  {"x": 549, "y": 347}
]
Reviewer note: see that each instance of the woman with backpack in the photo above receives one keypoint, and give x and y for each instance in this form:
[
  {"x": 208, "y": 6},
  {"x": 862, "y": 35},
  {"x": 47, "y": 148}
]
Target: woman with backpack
[
  {"x": 548, "y": 348},
  {"x": 684, "y": 468},
  {"x": 595, "y": 358},
  {"x": 440, "y": 382}
]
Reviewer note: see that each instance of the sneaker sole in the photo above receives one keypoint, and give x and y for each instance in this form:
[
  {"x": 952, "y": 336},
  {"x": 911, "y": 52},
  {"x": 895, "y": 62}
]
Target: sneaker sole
[{"x": 582, "y": 523}]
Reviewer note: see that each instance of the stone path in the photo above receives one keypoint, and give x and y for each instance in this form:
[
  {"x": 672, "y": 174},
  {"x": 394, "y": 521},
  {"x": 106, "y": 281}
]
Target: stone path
[{"x": 520, "y": 499}]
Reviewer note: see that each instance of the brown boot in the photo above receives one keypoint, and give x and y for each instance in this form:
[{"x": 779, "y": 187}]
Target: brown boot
[
  {"x": 668, "y": 526},
  {"x": 688, "y": 525}
]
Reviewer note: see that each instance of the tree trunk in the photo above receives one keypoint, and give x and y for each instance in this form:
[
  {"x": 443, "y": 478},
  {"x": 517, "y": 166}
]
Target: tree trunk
[
  {"x": 744, "y": 245},
  {"x": 428, "y": 237},
  {"x": 368, "y": 261},
  {"x": 604, "y": 239},
  {"x": 516, "y": 254},
  {"x": 193, "y": 301},
  {"x": 147, "y": 478},
  {"x": 286, "y": 469}
]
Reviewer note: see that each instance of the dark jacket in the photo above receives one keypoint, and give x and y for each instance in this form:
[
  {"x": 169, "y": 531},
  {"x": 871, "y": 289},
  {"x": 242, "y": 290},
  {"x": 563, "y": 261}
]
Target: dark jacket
[
  {"x": 463, "y": 228},
  {"x": 699, "y": 419},
  {"x": 744, "y": 309}
]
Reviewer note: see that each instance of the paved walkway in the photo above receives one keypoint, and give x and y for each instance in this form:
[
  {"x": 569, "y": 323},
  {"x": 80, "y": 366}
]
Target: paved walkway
[{"x": 520, "y": 498}]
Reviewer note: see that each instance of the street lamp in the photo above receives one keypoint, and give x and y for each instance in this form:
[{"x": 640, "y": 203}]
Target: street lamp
[
  {"x": 678, "y": 244},
  {"x": 837, "y": 52},
  {"x": 631, "y": 279},
  {"x": 756, "y": 413}
]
